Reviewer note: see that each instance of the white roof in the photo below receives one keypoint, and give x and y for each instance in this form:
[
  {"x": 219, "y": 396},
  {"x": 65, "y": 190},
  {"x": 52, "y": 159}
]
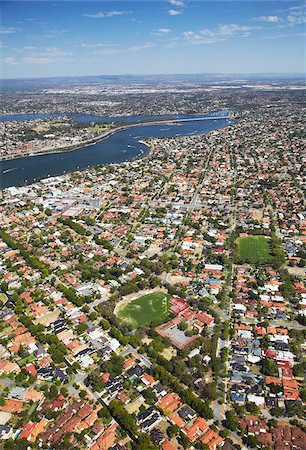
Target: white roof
[
  {"x": 257, "y": 399},
  {"x": 114, "y": 344},
  {"x": 213, "y": 267}
]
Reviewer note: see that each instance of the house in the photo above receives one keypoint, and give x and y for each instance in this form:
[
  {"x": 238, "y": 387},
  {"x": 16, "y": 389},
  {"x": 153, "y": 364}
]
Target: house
[
  {"x": 33, "y": 395},
  {"x": 186, "y": 413},
  {"x": 12, "y": 406},
  {"x": 123, "y": 398},
  {"x": 128, "y": 363},
  {"x": 135, "y": 372},
  {"x": 30, "y": 368},
  {"x": 159, "y": 390},
  {"x": 194, "y": 430},
  {"x": 61, "y": 375},
  {"x": 257, "y": 399},
  {"x": 175, "y": 419},
  {"x": 106, "y": 440},
  {"x": 148, "y": 419},
  {"x": 169, "y": 403},
  {"x": 148, "y": 380},
  {"x": 151, "y": 422},
  {"x": 212, "y": 439},
  {"x": 238, "y": 398},
  {"x": 168, "y": 446},
  {"x": 17, "y": 393},
  {"x": 157, "y": 436},
  {"x": 8, "y": 367},
  {"x": 6, "y": 432}
]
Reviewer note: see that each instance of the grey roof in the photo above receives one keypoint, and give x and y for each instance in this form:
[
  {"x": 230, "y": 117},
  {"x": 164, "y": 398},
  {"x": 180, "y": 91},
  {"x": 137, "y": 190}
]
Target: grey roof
[{"x": 17, "y": 392}]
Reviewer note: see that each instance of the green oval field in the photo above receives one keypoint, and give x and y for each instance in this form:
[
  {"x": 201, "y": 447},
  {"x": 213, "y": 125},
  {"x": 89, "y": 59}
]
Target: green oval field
[
  {"x": 254, "y": 249},
  {"x": 145, "y": 309}
]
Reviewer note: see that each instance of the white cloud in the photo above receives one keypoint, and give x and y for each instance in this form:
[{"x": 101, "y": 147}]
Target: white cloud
[
  {"x": 57, "y": 52},
  {"x": 293, "y": 8},
  {"x": 9, "y": 60},
  {"x": 176, "y": 3},
  {"x": 271, "y": 19},
  {"x": 136, "y": 48},
  {"x": 174, "y": 12},
  {"x": 98, "y": 45},
  {"x": 36, "y": 60},
  {"x": 162, "y": 31},
  {"x": 23, "y": 49},
  {"x": 296, "y": 18},
  {"x": 284, "y": 36},
  {"x": 234, "y": 29},
  {"x": 101, "y": 15},
  {"x": 202, "y": 37},
  {"x": 222, "y": 33},
  {"x": 172, "y": 43},
  {"x": 8, "y": 30},
  {"x": 29, "y": 55}
]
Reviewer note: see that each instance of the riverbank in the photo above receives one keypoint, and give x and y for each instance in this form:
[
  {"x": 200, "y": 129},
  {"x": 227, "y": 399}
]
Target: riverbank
[
  {"x": 129, "y": 142},
  {"x": 97, "y": 139},
  {"x": 68, "y": 148}
]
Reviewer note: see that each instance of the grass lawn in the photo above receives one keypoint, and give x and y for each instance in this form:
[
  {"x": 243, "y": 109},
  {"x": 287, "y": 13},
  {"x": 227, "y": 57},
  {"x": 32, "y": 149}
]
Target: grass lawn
[
  {"x": 145, "y": 309},
  {"x": 26, "y": 360},
  {"x": 33, "y": 408},
  {"x": 254, "y": 249},
  {"x": 3, "y": 298}
]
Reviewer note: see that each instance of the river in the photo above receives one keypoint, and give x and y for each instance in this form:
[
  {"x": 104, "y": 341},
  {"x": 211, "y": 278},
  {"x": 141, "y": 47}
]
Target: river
[{"x": 118, "y": 147}]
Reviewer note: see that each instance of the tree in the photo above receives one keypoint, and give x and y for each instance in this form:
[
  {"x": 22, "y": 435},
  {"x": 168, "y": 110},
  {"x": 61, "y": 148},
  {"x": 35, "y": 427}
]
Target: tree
[
  {"x": 272, "y": 423},
  {"x": 81, "y": 328},
  {"x": 144, "y": 443},
  {"x": 125, "y": 420},
  {"x": 303, "y": 395},
  {"x": 172, "y": 430},
  {"x": 82, "y": 394},
  {"x": 53, "y": 392},
  {"x": 277, "y": 411},
  {"x": 210, "y": 391},
  {"x": 103, "y": 413},
  {"x": 294, "y": 408},
  {"x": 252, "y": 408},
  {"x": 183, "y": 326},
  {"x": 287, "y": 289},
  {"x": 184, "y": 441},
  {"x": 251, "y": 441},
  {"x": 269, "y": 367},
  {"x": 231, "y": 422}
]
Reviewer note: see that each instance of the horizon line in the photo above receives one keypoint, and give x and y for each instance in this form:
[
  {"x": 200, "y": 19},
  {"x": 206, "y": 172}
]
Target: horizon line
[{"x": 302, "y": 74}]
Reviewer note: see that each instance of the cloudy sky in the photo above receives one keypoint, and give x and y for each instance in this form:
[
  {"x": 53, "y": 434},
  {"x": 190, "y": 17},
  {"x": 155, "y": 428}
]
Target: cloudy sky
[{"x": 61, "y": 38}]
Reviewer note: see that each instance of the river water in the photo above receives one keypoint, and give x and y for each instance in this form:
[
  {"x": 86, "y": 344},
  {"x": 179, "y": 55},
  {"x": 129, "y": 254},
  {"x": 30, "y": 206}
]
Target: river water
[{"x": 121, "y": 146}]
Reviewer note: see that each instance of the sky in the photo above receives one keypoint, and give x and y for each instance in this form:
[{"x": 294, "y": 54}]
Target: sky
[{"x": 76, "y": 38}]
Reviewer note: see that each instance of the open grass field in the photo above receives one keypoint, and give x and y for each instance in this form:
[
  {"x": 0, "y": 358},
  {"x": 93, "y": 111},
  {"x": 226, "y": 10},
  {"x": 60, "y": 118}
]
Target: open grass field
[
  {"x": 145, "y": 309},
  {"x": 254, "y": 249}
]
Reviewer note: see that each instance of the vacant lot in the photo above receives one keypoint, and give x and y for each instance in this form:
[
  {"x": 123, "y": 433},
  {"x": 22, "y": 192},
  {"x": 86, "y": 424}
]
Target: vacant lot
[
  {"x": 145, "y": 309},
  {"x": 254, "y": 249}
]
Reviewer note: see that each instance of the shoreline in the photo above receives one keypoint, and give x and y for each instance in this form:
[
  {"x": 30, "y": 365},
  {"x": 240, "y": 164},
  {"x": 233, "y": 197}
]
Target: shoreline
[
  {"x": 69, "y": 148},
  {"x": 129, "y": 161},
  {"x": 89, "y": 142},
  {"x": 137, "y": 158}
]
